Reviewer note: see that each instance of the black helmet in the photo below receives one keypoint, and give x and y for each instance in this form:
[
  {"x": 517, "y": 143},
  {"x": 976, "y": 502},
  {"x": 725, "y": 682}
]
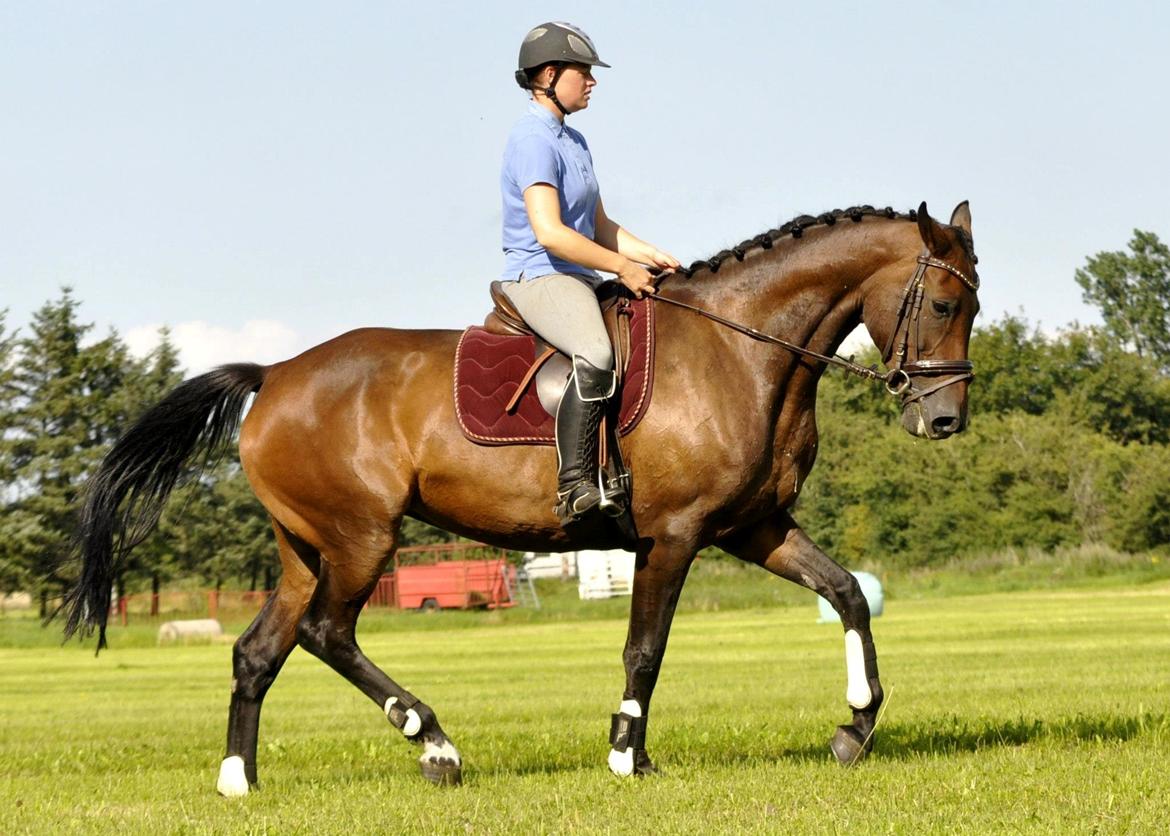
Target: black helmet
[{"x": 555, "y": 43}]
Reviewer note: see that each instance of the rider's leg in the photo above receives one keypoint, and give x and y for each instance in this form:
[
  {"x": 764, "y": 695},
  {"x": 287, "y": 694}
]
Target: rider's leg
[{"x": 563, "y": 310}]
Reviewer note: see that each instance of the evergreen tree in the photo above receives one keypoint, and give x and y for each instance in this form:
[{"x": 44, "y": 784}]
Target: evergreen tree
[{"x": 64, "y": 397}]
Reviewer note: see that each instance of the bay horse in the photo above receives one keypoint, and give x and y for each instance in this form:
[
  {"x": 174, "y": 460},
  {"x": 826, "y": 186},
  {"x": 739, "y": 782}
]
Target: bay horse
[{"x": 345, "y": 439}]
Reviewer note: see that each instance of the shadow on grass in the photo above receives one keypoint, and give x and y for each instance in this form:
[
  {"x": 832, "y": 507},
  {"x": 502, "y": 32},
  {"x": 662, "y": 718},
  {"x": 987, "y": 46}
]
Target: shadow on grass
[{"x": 953, "y": 735}]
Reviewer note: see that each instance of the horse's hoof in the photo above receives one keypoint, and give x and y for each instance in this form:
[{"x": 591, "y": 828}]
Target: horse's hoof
[
  {"x": 643, "y": 765},
  {"x": 848, "y": 746},
  {"x": 444, "y": 773}
]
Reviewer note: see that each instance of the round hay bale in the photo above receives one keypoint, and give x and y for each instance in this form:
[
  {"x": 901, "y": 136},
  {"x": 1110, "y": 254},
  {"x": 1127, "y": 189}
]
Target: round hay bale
[{"x": 200, "y": 629}]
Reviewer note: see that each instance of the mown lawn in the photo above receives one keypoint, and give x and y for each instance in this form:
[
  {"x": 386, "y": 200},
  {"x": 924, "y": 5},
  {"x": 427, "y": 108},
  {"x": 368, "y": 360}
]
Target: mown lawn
[{"x": 1030, "y": 711}]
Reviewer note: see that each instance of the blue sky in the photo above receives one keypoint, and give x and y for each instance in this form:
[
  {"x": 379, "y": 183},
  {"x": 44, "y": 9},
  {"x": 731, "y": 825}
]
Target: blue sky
[{"x": 262, "y": 176}]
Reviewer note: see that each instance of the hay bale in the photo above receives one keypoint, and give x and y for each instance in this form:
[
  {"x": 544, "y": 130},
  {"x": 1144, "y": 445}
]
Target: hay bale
[{"x": 198, "y": 629}]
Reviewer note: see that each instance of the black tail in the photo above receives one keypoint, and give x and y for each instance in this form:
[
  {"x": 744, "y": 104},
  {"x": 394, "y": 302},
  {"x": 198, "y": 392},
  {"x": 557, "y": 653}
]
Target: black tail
[{"x": 125, "y": 497}]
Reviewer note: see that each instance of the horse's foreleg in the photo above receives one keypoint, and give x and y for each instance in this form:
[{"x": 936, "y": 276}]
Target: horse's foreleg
[
  {"x": 780, "y": 546},
  {"x": 257, "y": 658},
  {"x": 327, "y": 631},
  {"x": 658, "y": 579}
]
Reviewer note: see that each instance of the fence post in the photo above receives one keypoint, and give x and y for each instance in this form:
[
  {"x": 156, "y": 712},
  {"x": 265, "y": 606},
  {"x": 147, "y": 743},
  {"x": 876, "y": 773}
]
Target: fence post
[
  {"x": 213, "y": 603},
  {"x": 122, "y": 609}
]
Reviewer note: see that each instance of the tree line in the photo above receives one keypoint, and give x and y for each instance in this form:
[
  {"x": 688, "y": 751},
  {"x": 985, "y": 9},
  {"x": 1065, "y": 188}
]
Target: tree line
[{"x": 1069, "y": 443}]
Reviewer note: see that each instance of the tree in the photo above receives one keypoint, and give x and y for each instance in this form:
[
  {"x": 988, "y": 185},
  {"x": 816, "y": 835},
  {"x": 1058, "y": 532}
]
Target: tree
[
  {"x": 1132, "y": 290},
  {"x": 12, "y": 574}
]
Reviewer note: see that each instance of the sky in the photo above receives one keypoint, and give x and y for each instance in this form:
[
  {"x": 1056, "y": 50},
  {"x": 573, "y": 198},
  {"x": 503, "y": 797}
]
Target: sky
[{"x": 262, "y": 176}]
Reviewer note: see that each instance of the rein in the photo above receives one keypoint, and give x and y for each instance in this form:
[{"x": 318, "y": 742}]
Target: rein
[{"x": 898, "y": 379}]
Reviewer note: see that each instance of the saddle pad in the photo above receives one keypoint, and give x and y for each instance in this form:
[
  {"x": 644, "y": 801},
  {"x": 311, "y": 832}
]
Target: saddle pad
[{"x": 489, "y": 368}]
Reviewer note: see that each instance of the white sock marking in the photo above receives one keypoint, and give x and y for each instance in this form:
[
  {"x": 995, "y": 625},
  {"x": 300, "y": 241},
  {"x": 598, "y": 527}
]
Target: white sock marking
[
  {"x": 232, "y": 782},
  {"x": 857, "y": 692},
  {"x": 444, "y": 751}
]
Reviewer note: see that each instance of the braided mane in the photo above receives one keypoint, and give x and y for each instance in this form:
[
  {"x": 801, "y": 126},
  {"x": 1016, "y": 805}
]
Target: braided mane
[{"x": 794, "y": 228}]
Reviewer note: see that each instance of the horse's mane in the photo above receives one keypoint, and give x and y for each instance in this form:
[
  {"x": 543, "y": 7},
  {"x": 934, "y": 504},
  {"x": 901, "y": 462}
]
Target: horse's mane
[{"x": 794, "y": 228}]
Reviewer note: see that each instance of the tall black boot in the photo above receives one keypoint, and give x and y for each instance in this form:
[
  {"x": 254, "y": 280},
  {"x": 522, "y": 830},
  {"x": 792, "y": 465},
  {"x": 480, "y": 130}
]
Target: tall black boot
[{"x": 577, "y": 424}]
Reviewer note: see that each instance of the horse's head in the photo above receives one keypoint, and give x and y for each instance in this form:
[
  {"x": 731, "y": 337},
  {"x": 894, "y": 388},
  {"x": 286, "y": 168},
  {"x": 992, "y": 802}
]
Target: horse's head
[{"x": 924, "y": 323}]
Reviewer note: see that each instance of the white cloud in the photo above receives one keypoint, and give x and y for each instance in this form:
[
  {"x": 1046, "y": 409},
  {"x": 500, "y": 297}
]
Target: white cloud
[{"x": 203, "y": 345}]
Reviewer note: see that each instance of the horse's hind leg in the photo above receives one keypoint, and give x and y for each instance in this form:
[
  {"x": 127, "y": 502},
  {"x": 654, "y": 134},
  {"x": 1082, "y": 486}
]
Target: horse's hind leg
[
  {"x": 258, "y": 656},
  {"x": 327, "y": 631},
  {"x": 781, "y": 547}
]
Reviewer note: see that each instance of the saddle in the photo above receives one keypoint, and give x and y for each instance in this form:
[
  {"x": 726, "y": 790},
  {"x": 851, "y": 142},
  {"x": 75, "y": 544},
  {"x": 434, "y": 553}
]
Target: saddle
[{"x": 508, "y": 381}]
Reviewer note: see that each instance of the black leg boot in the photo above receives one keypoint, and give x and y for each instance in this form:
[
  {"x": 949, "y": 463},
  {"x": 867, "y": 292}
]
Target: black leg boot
[{"x": 577, "y": 424}]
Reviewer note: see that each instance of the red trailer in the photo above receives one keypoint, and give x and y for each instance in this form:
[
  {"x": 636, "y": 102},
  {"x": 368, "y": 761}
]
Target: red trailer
[{"x": 447, "y": 576}]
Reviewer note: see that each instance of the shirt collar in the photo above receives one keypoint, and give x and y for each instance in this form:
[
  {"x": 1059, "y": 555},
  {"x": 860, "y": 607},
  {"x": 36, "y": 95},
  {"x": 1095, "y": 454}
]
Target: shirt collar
[{"x": 551, "y": 122}]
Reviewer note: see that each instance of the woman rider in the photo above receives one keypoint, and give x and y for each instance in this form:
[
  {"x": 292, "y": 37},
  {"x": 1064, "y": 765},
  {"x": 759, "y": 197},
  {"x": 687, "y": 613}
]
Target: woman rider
[{"x": 556, "y": 236}]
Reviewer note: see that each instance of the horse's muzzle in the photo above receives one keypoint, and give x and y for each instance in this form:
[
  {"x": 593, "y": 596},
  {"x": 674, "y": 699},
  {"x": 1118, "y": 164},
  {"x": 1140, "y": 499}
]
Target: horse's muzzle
[{"x": 934, "y": 419}]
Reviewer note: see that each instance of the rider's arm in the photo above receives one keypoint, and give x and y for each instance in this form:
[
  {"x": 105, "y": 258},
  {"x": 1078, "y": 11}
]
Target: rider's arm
[
  {"x": 544, "y": 214},
  {"x": 613, "y": 236}
]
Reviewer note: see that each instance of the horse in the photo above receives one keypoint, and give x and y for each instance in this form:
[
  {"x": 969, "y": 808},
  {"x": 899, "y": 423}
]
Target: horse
[{"x": 344, "y": 440}]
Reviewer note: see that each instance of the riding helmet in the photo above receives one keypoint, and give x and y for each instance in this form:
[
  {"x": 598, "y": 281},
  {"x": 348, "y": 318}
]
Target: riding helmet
[{"x": 555, "y": 43}]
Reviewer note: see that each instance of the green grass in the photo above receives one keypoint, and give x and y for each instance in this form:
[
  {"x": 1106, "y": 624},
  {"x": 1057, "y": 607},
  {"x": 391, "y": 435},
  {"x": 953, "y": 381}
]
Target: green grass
[{"x": 1042, "y": 711}]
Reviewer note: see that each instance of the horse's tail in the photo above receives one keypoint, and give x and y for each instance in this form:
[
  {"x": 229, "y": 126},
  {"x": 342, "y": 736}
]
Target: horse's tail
[{"x": 126, "y": 495}]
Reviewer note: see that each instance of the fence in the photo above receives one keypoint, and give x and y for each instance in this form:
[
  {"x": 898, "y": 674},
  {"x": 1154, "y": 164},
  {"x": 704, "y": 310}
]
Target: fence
[{"x": 240, "y": 605}]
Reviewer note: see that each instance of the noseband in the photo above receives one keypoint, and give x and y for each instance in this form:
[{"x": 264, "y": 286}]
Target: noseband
[{"x": 898, "y": 380}]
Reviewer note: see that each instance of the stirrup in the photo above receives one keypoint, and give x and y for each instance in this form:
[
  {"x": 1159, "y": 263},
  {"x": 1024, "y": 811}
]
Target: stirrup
[
  {"x": 613, "y": 499},
  {"x": 576, "y": 501}
]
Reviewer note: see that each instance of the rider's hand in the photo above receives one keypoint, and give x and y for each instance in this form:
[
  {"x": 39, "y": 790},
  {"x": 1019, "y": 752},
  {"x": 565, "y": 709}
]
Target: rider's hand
[
  {"x": 664, "y": 262},
  {"x": 636, "y": 278}
]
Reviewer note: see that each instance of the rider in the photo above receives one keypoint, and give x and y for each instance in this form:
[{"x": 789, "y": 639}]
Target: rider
[{"x": 556, "y": 235}]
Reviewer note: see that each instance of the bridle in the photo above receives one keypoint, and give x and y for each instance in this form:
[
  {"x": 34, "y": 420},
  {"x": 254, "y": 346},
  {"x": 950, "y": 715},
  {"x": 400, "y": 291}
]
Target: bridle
[{"x": 898, "y": 379}]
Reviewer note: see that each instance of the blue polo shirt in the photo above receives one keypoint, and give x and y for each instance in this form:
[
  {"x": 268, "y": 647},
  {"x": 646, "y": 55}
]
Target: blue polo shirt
[{"x": 543, "y": 150}]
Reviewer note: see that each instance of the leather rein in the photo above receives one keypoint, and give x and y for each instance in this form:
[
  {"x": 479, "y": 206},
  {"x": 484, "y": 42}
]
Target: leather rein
[{"x": 898, "y": 379}]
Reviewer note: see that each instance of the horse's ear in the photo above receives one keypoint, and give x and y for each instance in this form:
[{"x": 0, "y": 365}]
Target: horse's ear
[
  {"x": 932, "y": 232},
  {"x": 961, "y": 217}
]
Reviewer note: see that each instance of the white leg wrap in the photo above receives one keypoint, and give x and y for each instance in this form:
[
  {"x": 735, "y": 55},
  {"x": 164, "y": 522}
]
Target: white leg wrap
[
  {"x": 857, "y": 692},
  {"x": 444, "y": 751},
  {"x": 622, "y": 763},
  {"x": 232, "y": 782},
  {"x": 413, "y": 721}
]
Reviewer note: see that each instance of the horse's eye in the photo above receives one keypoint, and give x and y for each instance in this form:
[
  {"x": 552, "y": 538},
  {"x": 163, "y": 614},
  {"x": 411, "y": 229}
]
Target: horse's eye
[{"x": 943, "y": 308}]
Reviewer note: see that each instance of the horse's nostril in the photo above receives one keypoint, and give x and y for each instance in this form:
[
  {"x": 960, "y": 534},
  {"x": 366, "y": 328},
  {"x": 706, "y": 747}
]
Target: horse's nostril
[{"x": 945, "y": 424}]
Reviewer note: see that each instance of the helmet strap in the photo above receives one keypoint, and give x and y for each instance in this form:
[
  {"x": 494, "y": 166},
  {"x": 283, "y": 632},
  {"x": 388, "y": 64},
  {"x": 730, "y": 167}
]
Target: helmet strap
[{"x": 551, "y": 91}]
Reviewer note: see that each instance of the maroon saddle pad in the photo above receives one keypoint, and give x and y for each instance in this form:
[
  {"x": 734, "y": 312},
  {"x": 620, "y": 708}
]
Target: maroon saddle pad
[{"x": 489, "y": 368}]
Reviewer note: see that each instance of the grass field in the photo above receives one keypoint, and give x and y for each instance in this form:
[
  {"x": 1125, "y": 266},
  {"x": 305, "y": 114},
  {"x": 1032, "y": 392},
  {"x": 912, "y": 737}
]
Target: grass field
[{"x": 1042, "y": 711}]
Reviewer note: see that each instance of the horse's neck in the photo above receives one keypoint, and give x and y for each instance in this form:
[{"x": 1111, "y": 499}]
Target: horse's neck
[{"x": 806, "y": 291}]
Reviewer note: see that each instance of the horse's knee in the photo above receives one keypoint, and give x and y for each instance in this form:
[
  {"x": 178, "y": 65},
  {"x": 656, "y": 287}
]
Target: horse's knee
[{"x": 851, "y": 602}]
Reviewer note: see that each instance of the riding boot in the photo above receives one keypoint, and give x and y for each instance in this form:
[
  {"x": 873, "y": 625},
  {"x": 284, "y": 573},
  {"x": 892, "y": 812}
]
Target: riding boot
[{"x": 577, "y": 423}]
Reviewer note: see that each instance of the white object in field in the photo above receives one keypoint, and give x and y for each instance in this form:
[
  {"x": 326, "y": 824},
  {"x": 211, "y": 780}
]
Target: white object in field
[
  {"x": 232, "y": 782},
  {"x": 604, "y": 574},
  {"x": 871, "y": 588},
  {"x": 196, "y": 628},
  {"x": 857, "y": 692},
  {"x": 558, "y": 566},
  {"x": 622, "y": 763}
]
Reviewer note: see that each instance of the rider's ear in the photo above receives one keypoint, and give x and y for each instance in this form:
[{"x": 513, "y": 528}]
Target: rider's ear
[
  {"x": 961, "y": 217},
  {"x": 932, "y": 232}
]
